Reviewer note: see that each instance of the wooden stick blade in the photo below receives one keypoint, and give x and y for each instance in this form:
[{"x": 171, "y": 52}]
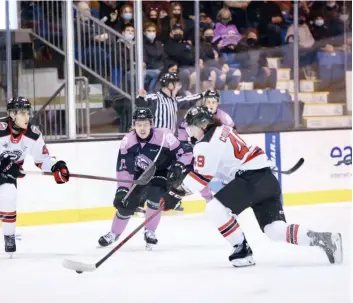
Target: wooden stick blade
[{"x": 79, "y": 267}]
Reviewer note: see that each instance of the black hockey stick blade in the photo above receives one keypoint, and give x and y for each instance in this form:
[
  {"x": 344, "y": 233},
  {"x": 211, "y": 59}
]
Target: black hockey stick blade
[
  {"x": 80, "y": 267},
  {"x": 147, "y": 175},
  {"x": 293, "y": 169}
]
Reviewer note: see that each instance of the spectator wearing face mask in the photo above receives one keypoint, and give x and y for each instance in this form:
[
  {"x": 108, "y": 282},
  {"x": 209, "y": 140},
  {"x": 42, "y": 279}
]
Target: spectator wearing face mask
[
  {"x": 175, "y": 16},
  {"x": 253, "y": 61},
  {"x": 306, "y": 39},
  {"x": 162, "y": 7},
  {"x": 238, "y": 11},
  {"x": 226, "y": 35},
  {"x": 153, "y": 56},
  {"x": 126, "y": 17},
  {"x": 216, "y": 70},
  {"x": 152, "y": 16}
]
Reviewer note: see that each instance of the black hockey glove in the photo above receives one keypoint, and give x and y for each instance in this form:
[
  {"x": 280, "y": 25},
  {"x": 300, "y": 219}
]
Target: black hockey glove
[
  {"x": 12, "y": 171},
  {"x": 61, "y": 172},
  {"x": 119, "y": 197},
  {"x": 172, "y": 198},
  {"x": 175, "y": 175}
]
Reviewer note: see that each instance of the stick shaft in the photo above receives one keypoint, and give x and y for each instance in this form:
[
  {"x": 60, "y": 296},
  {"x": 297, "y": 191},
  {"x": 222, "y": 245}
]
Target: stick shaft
[{"x": 133, "y": 233}]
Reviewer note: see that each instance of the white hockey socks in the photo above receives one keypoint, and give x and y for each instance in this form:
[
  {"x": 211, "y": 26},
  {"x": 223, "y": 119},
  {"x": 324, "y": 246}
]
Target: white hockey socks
[
  {"x": 281, "y": 231},
  {"x": 8, "y": 208},
  {"x": 226, "y": 223}
]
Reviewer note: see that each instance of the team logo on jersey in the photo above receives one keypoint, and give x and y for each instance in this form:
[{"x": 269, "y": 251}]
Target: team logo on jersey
[
  {"x": 3, "y": 125},
  {"x": 142, "y": 161},
  {"x": 35, "y": 129},
  {"x": 45, "y": 151},
  {"x": 171, "y": 139},
  {"x": 13, "y": 155}
]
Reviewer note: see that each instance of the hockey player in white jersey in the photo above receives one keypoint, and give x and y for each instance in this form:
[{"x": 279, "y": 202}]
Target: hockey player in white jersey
[
  {"x": 17, "y": 139},
  {"x": 220, "y": 152}
]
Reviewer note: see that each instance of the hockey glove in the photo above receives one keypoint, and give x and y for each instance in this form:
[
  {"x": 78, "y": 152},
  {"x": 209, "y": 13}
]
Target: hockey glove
[
  {"x": 61, "y": 172},
  {"x": 175, "y": 175},
  {"x": 172, "y": 198},
  {"x": 119, "y": 197},
  {"x": 12, "y": 171}
]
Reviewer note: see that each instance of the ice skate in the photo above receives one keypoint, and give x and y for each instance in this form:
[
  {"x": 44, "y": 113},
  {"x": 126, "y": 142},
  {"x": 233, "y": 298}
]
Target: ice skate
[
  {"x": 150, "y": 239},
  {"x": 108, "y": 239},
  {"x": 10, "y": 244},
  {"x": 242, "y": 255},
  {"x": 330, "y": 243}
]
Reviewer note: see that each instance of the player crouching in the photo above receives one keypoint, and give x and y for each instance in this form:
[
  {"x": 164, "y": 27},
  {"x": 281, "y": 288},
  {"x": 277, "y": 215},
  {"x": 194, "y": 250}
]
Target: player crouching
[
  {"x": 18, "y": 138},
  {"x": 138, "y": 150},
  {"x": 221, "y": 153}
]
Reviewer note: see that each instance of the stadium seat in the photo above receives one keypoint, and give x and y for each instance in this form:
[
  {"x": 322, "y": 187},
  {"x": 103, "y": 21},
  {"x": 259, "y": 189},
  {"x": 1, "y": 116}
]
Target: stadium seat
[
  {"x": 256, "y": 96},
  {"x": 245, "y": 114},
  {"x": 278, "y": 95},
  {"x": 269, "y": 113},
  {"x": 287, "y": 114},
  {"x": 325, "y": 58},
  {"x": 232, "y": 96}
]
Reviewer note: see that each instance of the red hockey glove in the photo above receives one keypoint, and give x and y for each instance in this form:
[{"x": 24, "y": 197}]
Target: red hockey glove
[{"x": 61, "y": 172}]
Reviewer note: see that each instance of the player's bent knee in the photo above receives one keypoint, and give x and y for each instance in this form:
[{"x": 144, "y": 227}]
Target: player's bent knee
[
  {"x": 276, "y": 231},
  {"x": 153, "y": 205},
  {"x": 215, "y": 210},
  {"x": 124, "y": 212}
]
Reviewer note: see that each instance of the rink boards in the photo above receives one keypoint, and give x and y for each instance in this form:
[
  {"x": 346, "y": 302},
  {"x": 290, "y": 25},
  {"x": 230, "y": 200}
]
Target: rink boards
[{"x": 324, "y": 177}]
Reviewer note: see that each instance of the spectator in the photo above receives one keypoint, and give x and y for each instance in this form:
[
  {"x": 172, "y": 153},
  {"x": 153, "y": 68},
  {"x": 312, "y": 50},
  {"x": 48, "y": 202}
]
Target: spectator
[
  {"x": 205, "y": 21},
  {"x": 126, "y": 17},
  {"x": 253, "y": 61},
  {"x": 109, "y": 10},
  {"x": 215, "y": 69},
  {"x": 182, "y": 53},
  {"x": 176, "y": 17},
  {"x": 270, "y": 24},
  {"x": 226, "y": 35},
  {"x": 238, "y": 11},
  {"x": 152, "y": 16},
  {"x": 153, "y": 55},
  {"x": 306, "y": 40},
  {"x": 162, "y": 7}
]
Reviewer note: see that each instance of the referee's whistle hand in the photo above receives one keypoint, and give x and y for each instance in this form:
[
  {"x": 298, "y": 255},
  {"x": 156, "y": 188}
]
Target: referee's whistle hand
[{"x": 142, "y": 93}]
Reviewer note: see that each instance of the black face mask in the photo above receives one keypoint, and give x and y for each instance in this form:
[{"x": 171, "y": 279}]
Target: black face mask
[
  {"x": 176, "y": 15},
  {"x": 251, "y": 41},
  {"x": 208, "y": 39},
  {"x": 178, "y": 37},
  {"x": 301, "y": 21},
  {"x": 225, "y": 20}
]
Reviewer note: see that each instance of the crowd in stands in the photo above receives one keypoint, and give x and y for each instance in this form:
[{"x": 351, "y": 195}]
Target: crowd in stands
[{"x": 237, "y": 37}]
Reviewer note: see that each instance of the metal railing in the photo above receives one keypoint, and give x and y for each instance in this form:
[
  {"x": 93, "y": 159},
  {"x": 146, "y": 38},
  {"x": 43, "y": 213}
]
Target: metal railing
[
  {"x": 99, "y": 50},
  {"x": 51, "y": 117}
]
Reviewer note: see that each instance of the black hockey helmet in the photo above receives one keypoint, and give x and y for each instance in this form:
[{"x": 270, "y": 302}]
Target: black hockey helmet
[
  {"x": 169, "y": 78},
  {"x": 199, "y": 116},
  {"x": 211, "y": 94},
  {"x": 142, "y": 113},
  {"x": 18, "y": 103}
]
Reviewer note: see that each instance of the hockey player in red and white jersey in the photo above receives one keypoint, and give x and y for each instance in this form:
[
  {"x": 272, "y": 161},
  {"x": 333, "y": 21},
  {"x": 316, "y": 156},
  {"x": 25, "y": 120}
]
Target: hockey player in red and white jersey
[
  {"x": 19, "y": 138},
  {"x": 220, "y": 152}
]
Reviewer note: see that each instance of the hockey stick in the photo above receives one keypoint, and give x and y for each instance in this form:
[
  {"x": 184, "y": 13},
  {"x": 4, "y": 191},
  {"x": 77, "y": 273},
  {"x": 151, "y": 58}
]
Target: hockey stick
[
  {"x": 143, "y": 180},
  {"x": 80, "y": 267},
  {"x": 291, "y": 170}
]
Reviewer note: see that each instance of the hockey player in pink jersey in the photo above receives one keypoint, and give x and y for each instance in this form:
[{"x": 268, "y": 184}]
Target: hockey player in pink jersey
[{"x": 220, "y": 152}]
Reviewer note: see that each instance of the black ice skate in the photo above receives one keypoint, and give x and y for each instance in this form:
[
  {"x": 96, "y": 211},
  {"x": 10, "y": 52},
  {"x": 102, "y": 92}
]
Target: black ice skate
[
  {"x": 330, "y": 243},
  {"x": 10, "y": 244},
  {"x": 108, "y": 239},
  {"x": 242, "y": 255},
  {"x": 150, "y": 238}
]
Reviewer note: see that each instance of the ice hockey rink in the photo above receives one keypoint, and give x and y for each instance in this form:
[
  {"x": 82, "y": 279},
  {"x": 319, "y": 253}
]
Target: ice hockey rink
[{"x": 190, "y": 264}]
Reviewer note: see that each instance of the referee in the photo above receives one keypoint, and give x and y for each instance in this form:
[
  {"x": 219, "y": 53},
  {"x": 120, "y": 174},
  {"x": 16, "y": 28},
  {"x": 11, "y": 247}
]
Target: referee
[{"x": 163, "y": 103}]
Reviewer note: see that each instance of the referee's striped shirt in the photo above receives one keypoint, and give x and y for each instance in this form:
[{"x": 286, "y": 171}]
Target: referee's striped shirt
[{"x": 165, "y": 108}]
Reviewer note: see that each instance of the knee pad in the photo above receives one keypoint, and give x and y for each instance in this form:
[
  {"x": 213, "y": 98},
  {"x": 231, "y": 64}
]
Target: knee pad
[
  {"x": 276, "y": 231},
  {"x": 124, "y": 213},
  {"x": 153, "y": 205}
]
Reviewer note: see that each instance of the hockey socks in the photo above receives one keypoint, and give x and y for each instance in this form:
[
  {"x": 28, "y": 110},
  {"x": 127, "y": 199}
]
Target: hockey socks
[
  {"x": 226, "y": 223},
  {"x": 8, "y": 222}
]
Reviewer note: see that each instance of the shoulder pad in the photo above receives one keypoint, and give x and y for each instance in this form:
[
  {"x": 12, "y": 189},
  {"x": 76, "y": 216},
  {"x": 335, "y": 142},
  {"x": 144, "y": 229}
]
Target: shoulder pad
[{"x": 33, "y": 132}]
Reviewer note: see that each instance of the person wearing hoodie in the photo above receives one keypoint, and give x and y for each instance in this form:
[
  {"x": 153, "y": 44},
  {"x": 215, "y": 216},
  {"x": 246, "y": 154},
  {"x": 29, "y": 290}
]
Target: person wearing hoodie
[
  {"x": 153, "y": 55},
  {"x": 126, "y": 17}
]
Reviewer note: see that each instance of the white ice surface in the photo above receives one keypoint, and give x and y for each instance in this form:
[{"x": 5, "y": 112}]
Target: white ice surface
[{"x": 190, "y": 264}]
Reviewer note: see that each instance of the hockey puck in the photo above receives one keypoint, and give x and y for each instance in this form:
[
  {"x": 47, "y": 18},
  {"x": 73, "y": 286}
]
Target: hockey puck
[{"x": 79, "y": 272}]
